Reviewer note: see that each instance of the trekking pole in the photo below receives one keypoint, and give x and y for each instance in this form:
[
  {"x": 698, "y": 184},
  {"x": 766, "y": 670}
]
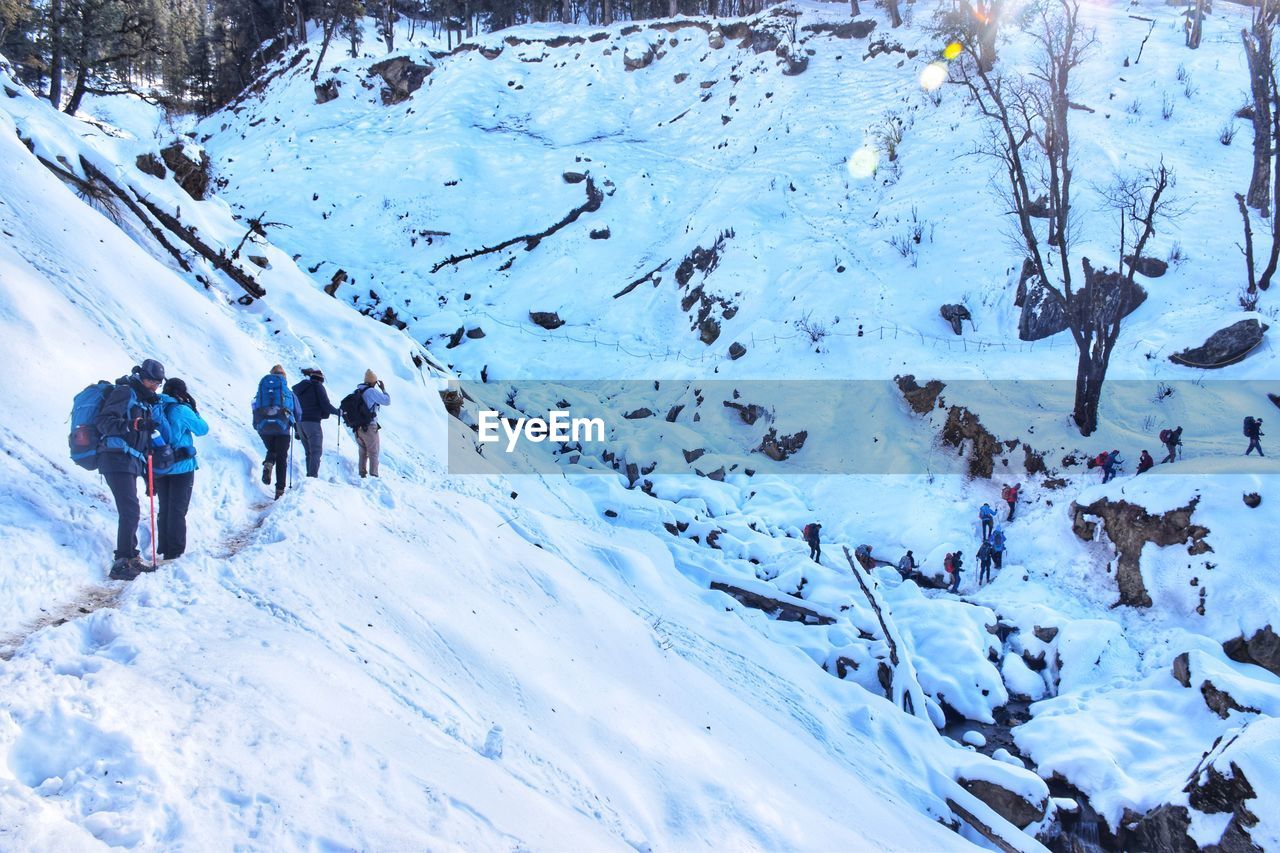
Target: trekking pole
[
  {"x": 292, "y": 479},
  {"x": 151, "y": 493}
]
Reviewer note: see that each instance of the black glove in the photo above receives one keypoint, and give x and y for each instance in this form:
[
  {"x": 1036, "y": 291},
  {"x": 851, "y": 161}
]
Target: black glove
[{"x": 145, "y": 424}]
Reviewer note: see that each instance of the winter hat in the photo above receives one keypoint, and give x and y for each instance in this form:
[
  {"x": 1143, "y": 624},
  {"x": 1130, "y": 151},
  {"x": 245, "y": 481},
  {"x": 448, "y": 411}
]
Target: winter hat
[
  {"x": 313, "y": 372},
  {"x": 370, "y": 378},
  {"x": 278, "y": 369},
  {"x": 150, "y": 369},
  {"x": 175, "y": 388}
]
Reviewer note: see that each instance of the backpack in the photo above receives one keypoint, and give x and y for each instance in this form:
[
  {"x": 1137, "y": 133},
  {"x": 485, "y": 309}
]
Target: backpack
[
  {"x": 1166, "y": 435},
  {"x": 1101, "y": 459},
  {"x": 1250, "y": 427},
  {"x": 997, "y": 540},
  {"x": 986, "y": 512},
  {"x": 357, "y": 415},
  {"x": 272, "y": 409},
  {"x": 948, "y": 563},
  {"x": 84, "y": 437}
]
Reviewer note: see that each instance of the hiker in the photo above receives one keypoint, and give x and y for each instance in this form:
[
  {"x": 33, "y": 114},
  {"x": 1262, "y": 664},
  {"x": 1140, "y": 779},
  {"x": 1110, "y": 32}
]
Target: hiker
[
  {"x": 953, "y": 563},
  {"x": 1253, "y": 430},
  {"x": 1009, "y": 494},
  {"x": 997, "y": 547},
  {"x": 275, "y": 416},
  {"x": 1109, "y": 463},
  {"x": 907, "y": 565},
  {"x": 1171, "y": 439},
  {"x": 987, "y": 516},
  {"x": 373, "y": 394},
  {"x": 984, "y": 563},
  {"x": 812, "y": 532},
  {"x": 313, "y": 402},
  {"x": 125, "y": 422},
  {"x": 1145, "y": 462},
  {"x": 863, "y": 555},
  {"x": 175, "y": 482}
]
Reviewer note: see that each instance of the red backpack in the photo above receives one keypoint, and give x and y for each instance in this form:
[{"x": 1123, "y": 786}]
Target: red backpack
[
  {"x": 947, "y": 563},
  {"x": 808, "y": 531}
]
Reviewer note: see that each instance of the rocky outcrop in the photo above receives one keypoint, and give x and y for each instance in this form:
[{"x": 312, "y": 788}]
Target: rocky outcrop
[
  {"x": 784, "y": 609},
  {"x": 644, "y": 60},
  {"x": 921, "y": 398},
  {"x": 963, "y": 427},
  {"x": 955, "y": 314},
  {"x": 327, "y": 91},
  {"x": 778, "y": 447},
  {"x": 1224, "y": 347},
  {"x": 546, "y": 319},
  {"x": 151, "y": 165},
  {"x": 848, "y": 30},
  {"x": 190, "y": 166},
  {"x": 402, "y": 77},
  {"x": 1262, "y": 649},
  {"x": 1044, "y": 312},
  {"x": 1210, "y": 791},
  {"x": 1149, "y": 267},
  {"x": 749, "y": 413},
  {"x": 736, "y": 351},
  {"x": 1130, "y": 527},
  {"x": 697, "y": 300},
  {"x": 1012, "y": 807}
]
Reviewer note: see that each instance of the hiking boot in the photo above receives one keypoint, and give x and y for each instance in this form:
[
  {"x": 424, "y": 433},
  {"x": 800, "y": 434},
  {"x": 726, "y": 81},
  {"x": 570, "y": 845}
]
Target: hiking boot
[
  {"x": 279, "y": 493},
  {"x": 266, "y": 473},
  {"x": 127, "y": 568}
]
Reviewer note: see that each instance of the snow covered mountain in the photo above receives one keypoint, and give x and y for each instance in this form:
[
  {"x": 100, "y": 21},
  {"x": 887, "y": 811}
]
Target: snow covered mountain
[{"x": 629, "y": 659}]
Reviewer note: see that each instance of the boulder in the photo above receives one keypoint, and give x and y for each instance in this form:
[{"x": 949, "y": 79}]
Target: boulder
[
  {"x": 955, "y": 314},
  {"x": 639, "y": 414},
  {"x": 546, "y": 319},
  {"x": 327, "y": 91},
  {"x": 1150, "y": 267},
  {"x": 849, "y": 30},
  {"x": 632, "y": 62},
  {"x": 1253, "y": 500},
  {"x": 708, "y": 331},
  {"x": 190, "y": 166},
  {"x": 151, "y": 165},
  {"x": 1262, "y": 649},
  {"x": 402, "y": 76},
  {"x": 778, "y": 447},
  {"x": 1012, "y": 807},
  {"x": 749, "y": 413},
  {"x": 1224, "y": 347},
  {"x": 600, "y": 233},
  {"x": 921, "y": 398},
  {"x": 736, "y": 351},
  {"x": 475, "y": 333},
  {"x": 1044, "y": 312},
  {"x": 573, "y": 177},
  {"x": 1182, "y": 669}
]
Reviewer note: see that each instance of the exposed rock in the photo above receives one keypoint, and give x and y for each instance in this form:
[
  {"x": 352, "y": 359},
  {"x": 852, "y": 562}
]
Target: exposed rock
[
  {"x": 691, "y": 456},
  {"x": 452, "y": 402},
  {"x": 782, "y": 608},
  {"x": 708, "y": 331},
  {"x": 151, "y": 165},
  {"x": 1027, "y": 274},
  {"x": 1224, "y": 347},
  {"x": 963, "y": 426},
  {"x": 1106, "y": 295},
  {"x": 1010, "y": 806},
  {"x": 1045, "y": 635},
  {"x": 475, "y": 333},
  {"x": 1150, "y": 267},
  {"x": 681, "y": 77},
  {"x": 546, "y": 319},
  {"x": 402, "y": 76},
  {"x": 1130, "y": 527},
  {"x": 1262, "y": 649},
  {"x": 1182, "y": 669},
  {"x": 715, "y": 39},
  {"x": 327, "y": 91},
  {"x": 191, "y": 174},
  {"x": 1210, "y": 791},
  {"x": 750, "y": 413},
  {"x": 779, "y": 448},
  {"x": 456, "y": 338},
  {"x": 259, "y": 261},
  {"x": 1220, "y": 701},
  {"x": 1044, "y": 312},
  {"x": 921, "y": 399},
  {"x": 600, "y": 233},
  {"x": 1253, "y": 500},
  {"x": 674, "y": 412},
  {"x": 794, "y": 63},
  {"x": 639, "y": 414},
  {"x": 339, "y": 278},
  {"x": 848, "y": 30},
  {"x": 573, "y": 177},
  {"x": 644, "y": 60},
  {"x": 736, "y": 351},
  {"x": 955, "y": 314}
]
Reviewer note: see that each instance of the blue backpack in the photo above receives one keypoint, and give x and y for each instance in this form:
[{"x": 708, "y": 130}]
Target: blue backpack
[
  {"x": 273, "y": 406},
  {"x": 997, "y": 540},
  {"x": 85, "y": 438}
]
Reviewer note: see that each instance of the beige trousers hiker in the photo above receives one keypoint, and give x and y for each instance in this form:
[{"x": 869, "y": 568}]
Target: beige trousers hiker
[{"x": 369, "y": 444}]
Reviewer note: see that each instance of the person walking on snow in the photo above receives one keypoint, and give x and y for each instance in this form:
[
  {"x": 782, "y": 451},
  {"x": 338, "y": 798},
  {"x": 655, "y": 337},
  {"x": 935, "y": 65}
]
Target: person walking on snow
[
  {"x": 953, "y": 563},
  {"x": 126, "y": 421},
  {"x": 1109, "y": 466},
  {"x": 863, "y": 555},
  {"x": 907, "y": 565},
  {"x": 275, "y": 416},
  {"x": 984, "y": 563},
  {"x": 997, "y": 547},
  {"x": 1253, "y": 430},
  {"x": 1145, "y": 462},
  {"x": 1171, "y": 439},
  {"x": 175, "y": 483},
  {"x": 812, "y": 533},
  {"x": 375, "y": 395},
  {"x": 313, "y": 403},
  {"x": 1009, "y": 494},
  {"x": 987, "y": 516}
]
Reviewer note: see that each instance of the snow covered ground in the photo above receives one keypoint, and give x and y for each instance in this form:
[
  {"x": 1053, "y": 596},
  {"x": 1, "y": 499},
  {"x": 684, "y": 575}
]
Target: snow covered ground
[{"x": 539, "y": 662}]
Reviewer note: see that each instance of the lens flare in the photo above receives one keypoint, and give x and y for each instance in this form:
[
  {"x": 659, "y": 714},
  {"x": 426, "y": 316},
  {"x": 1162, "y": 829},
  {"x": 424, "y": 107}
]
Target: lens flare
[
  {"x": 951, "y": 51},
  {"x": 933, "y": 76},
  {"x": 864, "y": 161}
]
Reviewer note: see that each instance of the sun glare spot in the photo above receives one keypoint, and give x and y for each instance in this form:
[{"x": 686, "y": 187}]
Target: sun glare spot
[
  {"x": 864, "y": 161},
  {"x": 933, "y": 76},
  {"x": 951, "y": 51}
]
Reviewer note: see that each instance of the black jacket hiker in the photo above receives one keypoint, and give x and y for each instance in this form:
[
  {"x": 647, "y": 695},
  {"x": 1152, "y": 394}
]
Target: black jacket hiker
[
  {"x": 1255, "y": 435},
  {"x": 314, "y": 402},
  {"x": 1175, "y": 439},
  {"x": 812, "y": 532}
]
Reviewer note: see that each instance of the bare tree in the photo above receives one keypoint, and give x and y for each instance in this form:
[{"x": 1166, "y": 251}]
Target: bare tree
[
  {"x": 1257, "y": 49},
  {"x": 1195, "y": 22},
  {"x": 1030, "y": 136}
]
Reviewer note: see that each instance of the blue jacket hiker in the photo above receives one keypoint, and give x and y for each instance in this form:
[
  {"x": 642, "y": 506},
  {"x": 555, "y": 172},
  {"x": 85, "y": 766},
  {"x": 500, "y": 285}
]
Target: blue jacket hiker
[
  {"x": 984, "y": 563},
  {"x": 987, "y": 516},
  {"x": 275, "y": 415},
  {"x": 174, "y": 484},
  {"x": 997, "y": 547},
  {"x": 314, "y": 404},
  {"x": 125, "y": 422}
]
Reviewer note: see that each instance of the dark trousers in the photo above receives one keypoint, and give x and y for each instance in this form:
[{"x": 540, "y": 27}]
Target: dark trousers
[
  {"x": 1173, "y": 453},
  {"x": 1254, "y": 444},
  {"x": 278, "y": 456},
  {"x": 955, "y": 582},
  {"x": 997, "y": 557},
  {"x": 173, "y": 493},
  {"x": 312, "y": 445},
  {"x": 1012, "y": 504},
  {"x": 815, "y": 552},
  {"x": 986, "y": 527},
  {"x": 984, "y": 573},
  {"x": 124, "y": 488}
]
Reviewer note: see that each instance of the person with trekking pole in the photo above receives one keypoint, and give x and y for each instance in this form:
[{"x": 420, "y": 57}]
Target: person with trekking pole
[
  {"x": 174, "y": 483},
  {"x": 275, "y": 416}
]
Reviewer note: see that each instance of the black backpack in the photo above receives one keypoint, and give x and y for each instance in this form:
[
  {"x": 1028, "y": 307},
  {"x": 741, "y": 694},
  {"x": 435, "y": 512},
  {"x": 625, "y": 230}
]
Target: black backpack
[
  {"x": 1165, "y": 435},
  {"x": 1250, "y": 427},
  {"x": 356, "y": 414}
]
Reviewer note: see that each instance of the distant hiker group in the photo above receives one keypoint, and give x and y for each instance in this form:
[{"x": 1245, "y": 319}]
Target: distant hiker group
[
  {"x": 133, "y": 429},
  {"x": 1171, "y": 438}
]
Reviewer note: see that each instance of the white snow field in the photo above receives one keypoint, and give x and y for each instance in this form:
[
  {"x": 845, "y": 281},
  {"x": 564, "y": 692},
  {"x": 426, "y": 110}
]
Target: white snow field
[{"x": 500, "y": 660}]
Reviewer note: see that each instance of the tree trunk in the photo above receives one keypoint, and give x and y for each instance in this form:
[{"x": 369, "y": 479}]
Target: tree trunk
[
  {"x": 566, "y": 11},
  {"x": 607, "y": 14},
  {"x": 1195, "y": 25},
  {"x": 987, "y": 27},
  {"x": 895, "y": 16},
  {"x": 56, "y": 60},
  {"x": 470, "y": 16},
  {"x": 1257, "y": 48},
  {"x": 854, "y": 9},
  {"x": 1091, "y": 370},
  {"x": 673, "y": 8},
  {"x": 329, "y": 24},
  {"x": 78, "y": 91}
]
